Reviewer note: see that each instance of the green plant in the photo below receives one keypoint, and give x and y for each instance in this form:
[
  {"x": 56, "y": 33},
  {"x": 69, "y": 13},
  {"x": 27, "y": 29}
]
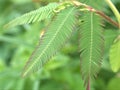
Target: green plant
[{"x": 66, "y": 17}]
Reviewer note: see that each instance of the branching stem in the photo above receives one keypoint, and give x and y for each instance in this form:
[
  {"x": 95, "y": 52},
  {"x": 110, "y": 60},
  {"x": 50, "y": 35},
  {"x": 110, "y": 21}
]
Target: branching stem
[{"x": 91, "y": 9}]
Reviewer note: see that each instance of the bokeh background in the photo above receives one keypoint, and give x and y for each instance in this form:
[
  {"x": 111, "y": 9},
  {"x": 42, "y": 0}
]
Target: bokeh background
[{"x": 63, "y": 70}]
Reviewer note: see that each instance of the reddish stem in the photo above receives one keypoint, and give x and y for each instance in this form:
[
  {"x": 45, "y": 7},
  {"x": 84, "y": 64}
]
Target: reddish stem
[
  {"x": 88, "y": 85},
  {"x": 107, "y": 18}
]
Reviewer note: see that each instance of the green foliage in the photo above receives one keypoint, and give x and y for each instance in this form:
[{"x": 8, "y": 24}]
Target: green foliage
[
  {"x": 59, "y": 30},
  {"x": 115, "y": 55},
  {"x": 91, "y": 45},
  {"x": 62, "y": 72},
  {"x": 33, "y": 16}
]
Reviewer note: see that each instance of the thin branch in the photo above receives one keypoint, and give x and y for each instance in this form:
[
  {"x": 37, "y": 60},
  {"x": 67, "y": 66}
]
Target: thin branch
[
  {"x": 91, "y": 9},
  {"x": 107, "y": 18}
]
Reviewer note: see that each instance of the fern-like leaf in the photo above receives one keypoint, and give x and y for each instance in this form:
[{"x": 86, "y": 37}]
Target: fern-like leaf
[
  {"x": 33, "y": 16},
  {"x": 59, "y": 30},
  {"x": 91, "y": 46}
]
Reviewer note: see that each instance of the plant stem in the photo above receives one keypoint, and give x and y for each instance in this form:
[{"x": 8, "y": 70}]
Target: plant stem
[
  {"x": 88, "y": 85},
  {"x": 89, "y": 8},
  {"x": 114, "y": 9},
  {"x": 107, "y": 18}
]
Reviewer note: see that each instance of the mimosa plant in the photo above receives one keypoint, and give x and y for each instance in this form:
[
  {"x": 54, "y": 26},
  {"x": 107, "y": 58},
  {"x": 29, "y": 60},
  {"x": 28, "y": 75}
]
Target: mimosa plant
[{"x": 66, "y": 17}]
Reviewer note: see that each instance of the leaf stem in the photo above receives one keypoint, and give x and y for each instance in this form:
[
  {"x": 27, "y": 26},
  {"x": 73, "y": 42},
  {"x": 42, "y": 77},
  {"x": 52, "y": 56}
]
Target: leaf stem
[
  {"x": 88, "y": 85},
  {"x": 107, "y": 18},
  {"x": 91, "y": 9}
]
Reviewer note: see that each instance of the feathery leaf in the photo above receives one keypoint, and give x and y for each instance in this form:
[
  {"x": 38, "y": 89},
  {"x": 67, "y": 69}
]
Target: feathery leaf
[
  {"x": 33, "y": 16},
  {"x": 91, "y": 46},
  {"x": 59, "y": 30}
]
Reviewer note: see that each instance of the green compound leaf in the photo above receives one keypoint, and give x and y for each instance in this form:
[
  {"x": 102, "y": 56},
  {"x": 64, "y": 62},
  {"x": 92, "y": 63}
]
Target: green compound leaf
[
  {"x": 33, "y": 16},
  {"x": 115, "y": 55},
  {"x": 91, "y": 46},
  {"x": 59, "y": 30}
]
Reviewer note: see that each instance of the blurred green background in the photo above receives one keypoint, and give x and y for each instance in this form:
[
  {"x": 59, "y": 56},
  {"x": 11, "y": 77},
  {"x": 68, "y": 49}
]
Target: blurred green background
[{"x": 63, "y": 70}]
